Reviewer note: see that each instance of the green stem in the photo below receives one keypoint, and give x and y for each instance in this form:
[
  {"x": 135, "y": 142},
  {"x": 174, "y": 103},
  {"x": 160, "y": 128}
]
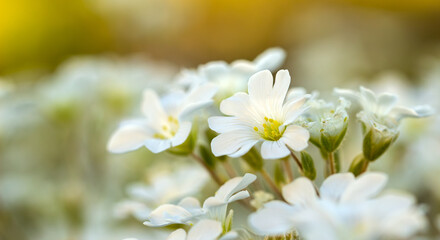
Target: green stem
[
  {"x": 271, "y": 183},
  {"x": 229, "y": 169},
  {"x": 298, "y": 162},
  {"x": 211, "y": 172},
  {"x": 332, "y": 163},
  {"x": 288, "y": 169}
]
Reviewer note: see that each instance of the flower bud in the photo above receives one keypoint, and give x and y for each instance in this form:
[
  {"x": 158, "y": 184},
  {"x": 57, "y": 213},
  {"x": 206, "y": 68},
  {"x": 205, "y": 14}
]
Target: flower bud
[
  {"x": 309, "y": 170},
  {"x": 327, "y": 124},
  {"x": 377, "y": 140},
  {"x": 358, "y": 165},
  {"x": 333, "y": 133}
]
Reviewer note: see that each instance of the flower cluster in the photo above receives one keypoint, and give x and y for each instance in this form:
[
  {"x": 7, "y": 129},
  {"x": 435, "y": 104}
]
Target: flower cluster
[{"x": 245, "y": 127}]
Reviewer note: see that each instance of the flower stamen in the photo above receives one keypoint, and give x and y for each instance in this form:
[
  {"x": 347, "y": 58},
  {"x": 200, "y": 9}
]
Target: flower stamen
[
  {"x": 271, "y": 129},
  {"x": 168, "y": 129}
]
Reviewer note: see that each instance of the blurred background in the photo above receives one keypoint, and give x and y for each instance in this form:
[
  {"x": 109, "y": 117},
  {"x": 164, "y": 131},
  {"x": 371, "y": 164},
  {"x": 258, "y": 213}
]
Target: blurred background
[{"x": 71, "y": 70}]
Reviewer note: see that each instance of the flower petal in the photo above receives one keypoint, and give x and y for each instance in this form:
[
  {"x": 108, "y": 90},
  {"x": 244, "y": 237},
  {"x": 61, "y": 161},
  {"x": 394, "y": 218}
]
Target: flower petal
[
  {"x": 386, "y": 102},
  {"x": 364, "y": 187},
  {"x": 227, "y": 124},
  {"x": 205, "y": 230},
  {"x": 296, "y": 137},
  {"x": 181, "y": 134},
  {"x": 280, "y": 88},
  {"x": 196, "y": 99},
  {"x": 156, "y": 145},
  {"x": 167, "y": 214},
  {"x": 231, "y": 142},
  {"x": 274, "y": 150},
  {"x": 272, "y": 219},
  {"x": 299, "y": 192},
  {"x": 293, "y": 109},
  {"x": 239, "y": 196},
  {"x": 347, "y": 93},
  {"x": 239, "y": 106},
  {"x": 400, "y": 112},
  {"x": 243, "y": 149},
  {"x": 234, "y": 185},
  {"x": 128, "y": 137},
  {"x": 270, "y": 59},
  {"x": 191, "y": 204},
  {"x": 152, "y": 107},
  {"x": 232, "y": 235},
  {"x": 179, "y": 234},
  {"x": 334, "y": 186},
  {"x": 260, "y": 85}
]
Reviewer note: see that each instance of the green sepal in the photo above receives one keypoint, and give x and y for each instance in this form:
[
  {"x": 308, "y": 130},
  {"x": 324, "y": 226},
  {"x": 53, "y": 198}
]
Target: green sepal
[
  {"x": 207, "y": 156},
  {"x": 228, "y": 221},
  {"x": 309, "y": 170},
  {"x": 359, "y": 165},
  {"x": 376, "y": 142},
  {"x": 188, "y": 146},
  {"x": 331, "y": 143}
]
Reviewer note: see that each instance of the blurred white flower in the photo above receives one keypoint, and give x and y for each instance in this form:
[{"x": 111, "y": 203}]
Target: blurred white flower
[
  {"x": 232, "y": 78},
  {"x": 383, "y": 105},
  {"x": 261, "y": 115},
  {"x": 346, "y": 208},
  {"x": 380, "y": 118},
  {"x": 204, "y": 230},
  {"x": 167, "y": 187},
  {"x": 171, "y": 186},
  {"x": 166, "y": 124},
  {"x": 134, "y": 208},
  {"x": 189, "y": 210}
]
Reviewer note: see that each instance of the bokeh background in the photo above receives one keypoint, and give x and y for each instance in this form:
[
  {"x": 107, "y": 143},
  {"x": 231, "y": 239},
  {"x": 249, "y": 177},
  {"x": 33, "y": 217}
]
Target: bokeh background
[{"x": 71, "y": 70}]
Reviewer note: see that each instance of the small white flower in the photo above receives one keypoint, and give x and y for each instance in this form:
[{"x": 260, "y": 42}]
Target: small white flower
[
  {"x": 380, "y": 118},
  {"x": 325, "y": 121},
  {"x": 128, "y": 208},
  {"x": 189, "y": 210},
  {"x": 232, "y": 78},
  {"x": 261, "y": 115},
  {"x": 204, "y": 230},
  {"x": 166, "y": 187},
  {"x": 166, "y": 124},
  {"x": 383, "y": 105},
  {"x": 347, "y": 208}
]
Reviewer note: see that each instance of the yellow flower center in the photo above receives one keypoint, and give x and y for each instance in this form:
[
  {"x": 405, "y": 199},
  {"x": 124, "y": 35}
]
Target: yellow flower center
[
  {"x": 168, "y": 129},
  {"x": 270, "y": 129}
]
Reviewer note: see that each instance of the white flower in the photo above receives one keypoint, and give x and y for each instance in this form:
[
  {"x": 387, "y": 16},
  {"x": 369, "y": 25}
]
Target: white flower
[
  {"x": 380, "y": 118},
  {"x": 232, "y": 78},
  {"x": 347, "y": 208},
  {"x": 166, "y": 124},
  {"x": 189, "y": 210},
  {"x": 128, "y": 208},
  {"x": 326, "y": 122},
  {"x": 260, "y": 115},
  {"x": 383, "y": 105},
  {"x": 166, "y": 187},
  {"x": 204, "y": 230},
  {"x": 171, "y": 186}
]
